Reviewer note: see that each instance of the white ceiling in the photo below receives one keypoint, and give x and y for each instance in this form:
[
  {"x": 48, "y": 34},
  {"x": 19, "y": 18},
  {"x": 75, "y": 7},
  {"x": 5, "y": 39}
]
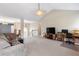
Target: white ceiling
[{"x": 27, "y": 10}]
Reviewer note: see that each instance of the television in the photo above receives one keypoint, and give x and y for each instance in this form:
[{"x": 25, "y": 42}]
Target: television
[
  {"x": 65, "y": 31},
  {"x": 50, "y": 30}
]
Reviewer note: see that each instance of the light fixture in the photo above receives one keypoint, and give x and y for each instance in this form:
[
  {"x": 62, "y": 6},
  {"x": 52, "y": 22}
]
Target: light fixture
[{"x": 39, "y": 11}]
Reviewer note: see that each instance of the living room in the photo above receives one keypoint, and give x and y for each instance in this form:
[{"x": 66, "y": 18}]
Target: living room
[
  {"x": 33, "y": 24},
  {"x": 61, "y": 20}
]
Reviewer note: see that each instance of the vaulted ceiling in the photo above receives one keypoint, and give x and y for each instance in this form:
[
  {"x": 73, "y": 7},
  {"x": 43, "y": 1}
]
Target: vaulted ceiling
[{"x": 27, "y": 10}]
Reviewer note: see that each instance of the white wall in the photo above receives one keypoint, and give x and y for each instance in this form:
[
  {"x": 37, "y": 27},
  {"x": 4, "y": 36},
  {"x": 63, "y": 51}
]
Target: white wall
[{"x": 59, "y": 19}]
